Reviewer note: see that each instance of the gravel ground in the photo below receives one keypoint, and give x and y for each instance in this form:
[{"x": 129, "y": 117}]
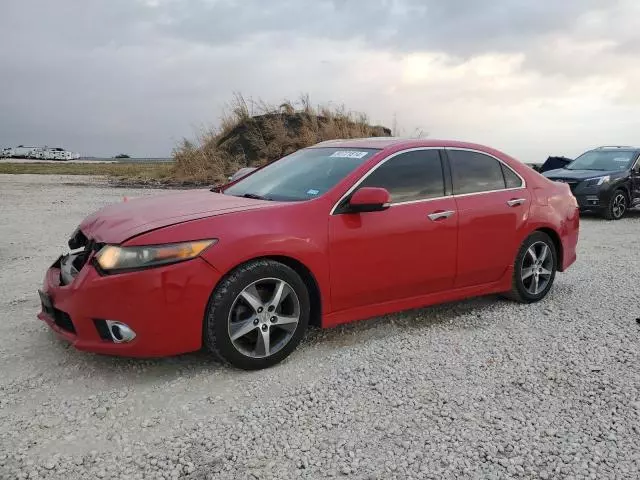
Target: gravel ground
[{"x": 478, "y": 389}]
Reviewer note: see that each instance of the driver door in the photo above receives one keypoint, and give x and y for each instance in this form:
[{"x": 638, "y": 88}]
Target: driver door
[{"x": 405, "y": 251}]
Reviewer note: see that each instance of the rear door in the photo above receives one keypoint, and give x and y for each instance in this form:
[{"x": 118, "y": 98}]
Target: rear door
[
  {"x": 493, "y": 204},
  {"x": 405, "y": 251}
]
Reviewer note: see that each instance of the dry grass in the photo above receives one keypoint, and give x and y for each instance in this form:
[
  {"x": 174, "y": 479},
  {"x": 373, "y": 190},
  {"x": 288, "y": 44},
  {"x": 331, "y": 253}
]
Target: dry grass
[
  {"x": 135, "y": 172},
  {"x": 254, "y": 133}
]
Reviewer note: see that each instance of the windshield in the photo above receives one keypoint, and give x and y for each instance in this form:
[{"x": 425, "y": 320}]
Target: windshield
[
  {"x": 303, "y": 175},
  {"x": 605, "y": 160}
]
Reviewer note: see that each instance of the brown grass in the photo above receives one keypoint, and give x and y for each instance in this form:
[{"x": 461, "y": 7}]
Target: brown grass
[
  {"x": 136, "y": 172},
  {"x": 252, "y": 133}
]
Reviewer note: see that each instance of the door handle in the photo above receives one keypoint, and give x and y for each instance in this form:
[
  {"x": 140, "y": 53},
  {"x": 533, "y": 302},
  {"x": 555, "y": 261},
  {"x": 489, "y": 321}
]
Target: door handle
[
  {"x": 516, "y": 201},
  {"x": 440, "y": 215}
]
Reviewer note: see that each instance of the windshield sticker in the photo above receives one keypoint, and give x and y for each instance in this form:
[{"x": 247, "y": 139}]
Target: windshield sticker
[
  {"x": 313, "y": 192},
  {"x": 348, "y": 154},
  {"x": 621, "y": 159}
]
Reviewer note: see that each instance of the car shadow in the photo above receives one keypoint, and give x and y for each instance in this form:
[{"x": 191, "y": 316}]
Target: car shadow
[
  {"x": 631, "y": 213},
  {"x": 152, "y": 370}
]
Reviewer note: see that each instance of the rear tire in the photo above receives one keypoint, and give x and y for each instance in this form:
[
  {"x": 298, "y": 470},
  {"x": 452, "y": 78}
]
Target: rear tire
[
  {"x": 248, "y": 324},
  {"x": 617, "y": 207},
  {"x": 534, "y": 269}
]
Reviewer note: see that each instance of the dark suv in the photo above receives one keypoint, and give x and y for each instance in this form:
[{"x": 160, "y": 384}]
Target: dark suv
[{"x": 606, "y": 180}]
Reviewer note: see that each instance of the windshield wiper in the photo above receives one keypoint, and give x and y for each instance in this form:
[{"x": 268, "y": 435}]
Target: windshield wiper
[{"x": 255, "y": 196}]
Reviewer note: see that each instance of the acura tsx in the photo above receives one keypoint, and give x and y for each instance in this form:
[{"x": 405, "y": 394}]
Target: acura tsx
[{"x": 340, "y": 231}]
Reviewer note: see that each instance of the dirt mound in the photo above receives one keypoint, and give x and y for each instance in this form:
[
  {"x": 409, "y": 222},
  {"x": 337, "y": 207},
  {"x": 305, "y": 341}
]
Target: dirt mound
[
  {"x": 264, "y": 138},
  {"x": 249, "y": 138}
]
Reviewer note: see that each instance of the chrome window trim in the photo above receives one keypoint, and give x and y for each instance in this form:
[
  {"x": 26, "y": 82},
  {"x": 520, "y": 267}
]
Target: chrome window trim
[
  {"x": 410, "y": 202},
  {"x": 378, "y": 165},
  {"x": 422, "y": 200}
]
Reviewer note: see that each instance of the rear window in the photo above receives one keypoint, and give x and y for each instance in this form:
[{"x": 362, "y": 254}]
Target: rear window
[
  {"x": 475, "y": 172},
  {"x": 511, "y": 180}
]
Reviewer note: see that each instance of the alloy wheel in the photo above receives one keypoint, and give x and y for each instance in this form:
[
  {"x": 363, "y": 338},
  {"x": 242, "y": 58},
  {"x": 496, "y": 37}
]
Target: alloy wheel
[
  {"x": 264, "y": 317},
  {"x": 619, "y": 205},
  {"x": 537, "y": 268}
]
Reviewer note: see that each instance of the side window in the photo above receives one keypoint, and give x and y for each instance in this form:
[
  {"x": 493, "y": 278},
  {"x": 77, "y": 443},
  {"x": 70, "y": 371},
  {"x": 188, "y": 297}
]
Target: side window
[
  {"x": 510, "y": 178},
  {"x": 410, "y": 176},
  {"x": 475, "y": 172}
]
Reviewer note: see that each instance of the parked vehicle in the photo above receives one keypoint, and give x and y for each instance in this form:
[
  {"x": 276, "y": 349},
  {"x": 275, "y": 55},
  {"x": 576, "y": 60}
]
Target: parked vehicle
[
  {"x": 36, "y": 153},
  {"x": 553, "y": 163},
  {"x": 605, "y": 180},
  {"x": 39, "y": 153},
  {"x": 59, "y": 154},
  {"x": 21, "y": 151},
  {"x": 341, "y": 231}
]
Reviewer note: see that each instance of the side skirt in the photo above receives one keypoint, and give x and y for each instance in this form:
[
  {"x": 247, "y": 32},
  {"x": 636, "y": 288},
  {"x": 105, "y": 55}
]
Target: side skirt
[{"x": 378, "y": 309}]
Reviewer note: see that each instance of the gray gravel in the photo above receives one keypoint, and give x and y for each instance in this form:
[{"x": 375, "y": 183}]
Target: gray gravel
[{"x": 477, "y": 389}]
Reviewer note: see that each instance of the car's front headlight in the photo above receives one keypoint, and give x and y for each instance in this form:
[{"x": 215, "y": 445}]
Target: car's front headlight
[
  {"x": 596, "y": 182},
  {"x": 114, "y": 258}
]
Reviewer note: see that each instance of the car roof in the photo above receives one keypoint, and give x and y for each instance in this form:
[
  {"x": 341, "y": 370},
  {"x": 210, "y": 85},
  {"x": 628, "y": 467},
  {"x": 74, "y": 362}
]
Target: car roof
[
  {"x": 619, "y": 148},
  {"x": 397, "y": 142}
]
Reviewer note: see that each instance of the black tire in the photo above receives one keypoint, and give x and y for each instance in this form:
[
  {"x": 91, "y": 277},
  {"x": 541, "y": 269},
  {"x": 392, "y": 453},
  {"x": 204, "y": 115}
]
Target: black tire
[
  {"x": 520, "y": 291},
  {"x": 216, "y": 335},
  {"x": 617, "y": 206}
]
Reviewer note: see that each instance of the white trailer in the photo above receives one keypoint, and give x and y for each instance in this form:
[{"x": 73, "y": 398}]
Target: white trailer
[
  {"x": 37, "y": 153},
  {"x": 21, "y": 151},
  {"x": 58, "y": 154}
]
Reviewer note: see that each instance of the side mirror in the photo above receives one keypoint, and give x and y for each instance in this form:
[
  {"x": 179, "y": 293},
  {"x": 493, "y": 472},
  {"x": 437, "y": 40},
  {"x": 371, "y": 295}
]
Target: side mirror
[{"x": 369, "y": 199}]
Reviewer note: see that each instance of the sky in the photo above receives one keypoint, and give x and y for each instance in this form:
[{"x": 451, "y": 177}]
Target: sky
[{"x": 531, "y": 78}]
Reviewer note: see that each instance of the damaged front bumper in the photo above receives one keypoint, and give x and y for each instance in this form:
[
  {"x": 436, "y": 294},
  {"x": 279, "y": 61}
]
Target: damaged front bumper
[{"x": 146, "y": 313}]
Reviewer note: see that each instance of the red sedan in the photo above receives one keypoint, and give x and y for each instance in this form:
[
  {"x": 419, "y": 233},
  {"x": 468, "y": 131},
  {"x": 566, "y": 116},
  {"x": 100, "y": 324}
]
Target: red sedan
[{"x": 340, "y": 231}]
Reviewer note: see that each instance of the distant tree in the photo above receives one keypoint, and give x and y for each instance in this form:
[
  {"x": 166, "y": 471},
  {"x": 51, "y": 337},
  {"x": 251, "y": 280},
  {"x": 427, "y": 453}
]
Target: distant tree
[{"x": 122, "y": 155}]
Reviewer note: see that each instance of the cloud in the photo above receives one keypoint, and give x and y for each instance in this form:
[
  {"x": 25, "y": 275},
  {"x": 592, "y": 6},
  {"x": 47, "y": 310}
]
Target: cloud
[
  {"x": 533, "y": 78},
  {"x": 463, "y": 27}
]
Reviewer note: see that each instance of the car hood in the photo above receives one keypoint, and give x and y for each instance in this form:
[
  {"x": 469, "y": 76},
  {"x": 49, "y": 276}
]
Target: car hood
[
  {"x": 119, "y": 222},
  {"x": 577, "y": 174}
]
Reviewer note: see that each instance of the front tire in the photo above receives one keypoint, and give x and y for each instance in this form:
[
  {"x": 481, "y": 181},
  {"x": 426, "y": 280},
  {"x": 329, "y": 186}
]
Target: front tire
[
  {"x": 257, "y": 315},
  {"x": 534, "y": 269},
  {"x": 617, "y": 207}
]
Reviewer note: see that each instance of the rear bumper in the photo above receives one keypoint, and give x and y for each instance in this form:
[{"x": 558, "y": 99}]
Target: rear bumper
[
  {"x": 165, "y": 307},
  {"x": 569, "y": 238}
]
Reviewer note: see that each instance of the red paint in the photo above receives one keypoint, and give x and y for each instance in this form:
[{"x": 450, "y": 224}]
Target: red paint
[
  {"x": 390, "y": 255},
  {"x": 364, "y": 264},
  {"x": 488, "y": 235},
  {"x": 159, "y": 304},
  {"x": 367, "y": 196}
]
